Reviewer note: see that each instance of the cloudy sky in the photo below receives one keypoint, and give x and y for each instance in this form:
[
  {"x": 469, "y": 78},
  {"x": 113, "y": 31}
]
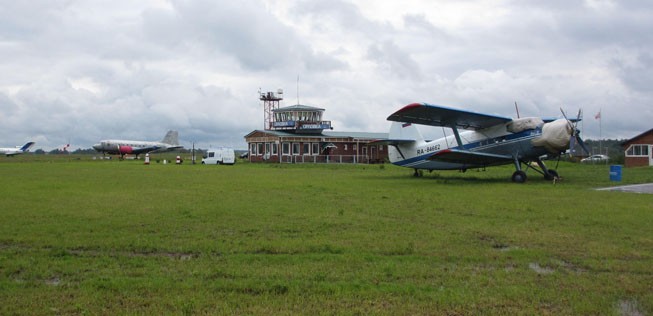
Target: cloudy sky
[{"x": 80, "y": 71}]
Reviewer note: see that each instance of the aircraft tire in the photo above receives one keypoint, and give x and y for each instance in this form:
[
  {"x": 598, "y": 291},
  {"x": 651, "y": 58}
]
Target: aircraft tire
[
  {"x": 519, "y": 176},
  {"x": 552, "y": 174}
]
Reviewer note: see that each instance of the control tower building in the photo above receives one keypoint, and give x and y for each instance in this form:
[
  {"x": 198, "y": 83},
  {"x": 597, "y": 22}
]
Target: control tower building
[{"x": 299, "y": 134}]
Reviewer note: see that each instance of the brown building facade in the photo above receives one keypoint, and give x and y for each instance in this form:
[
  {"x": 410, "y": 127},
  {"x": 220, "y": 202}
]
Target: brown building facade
[
  {"x": 325, "y": 147},
  {"x": 639, "y": 150},
  {"x": 299, "y": 134}
]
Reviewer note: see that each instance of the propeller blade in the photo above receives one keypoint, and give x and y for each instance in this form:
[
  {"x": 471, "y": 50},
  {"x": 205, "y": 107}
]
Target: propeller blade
[
  {"x": 582, "y": 143},
  {"x": 568, "y": 121},
  {"x": 579, "y": 117}
]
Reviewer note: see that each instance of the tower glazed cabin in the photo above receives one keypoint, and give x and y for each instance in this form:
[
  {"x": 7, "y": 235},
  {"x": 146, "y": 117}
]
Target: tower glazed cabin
[{"x": 299, "y": 134}]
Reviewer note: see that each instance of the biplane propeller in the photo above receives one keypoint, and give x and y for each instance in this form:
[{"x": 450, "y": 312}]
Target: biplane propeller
[
  {"x": 575, "y": 132},
  {"x": 488, "y": 140}
]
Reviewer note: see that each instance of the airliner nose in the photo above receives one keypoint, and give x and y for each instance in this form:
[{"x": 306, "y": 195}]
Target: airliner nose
[{"x": 97, "y": 146}]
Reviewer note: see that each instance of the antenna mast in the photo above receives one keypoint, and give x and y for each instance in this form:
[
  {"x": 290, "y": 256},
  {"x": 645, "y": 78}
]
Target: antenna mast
[
  {"x": 297, "y": 89},
  {"x": 270, "y": 103}
]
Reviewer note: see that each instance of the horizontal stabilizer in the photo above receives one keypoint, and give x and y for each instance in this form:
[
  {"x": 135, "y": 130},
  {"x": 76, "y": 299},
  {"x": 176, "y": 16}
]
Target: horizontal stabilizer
[
  {"x": 391, "y": 142},
  {"x": 470, "y": 158},
  {"x": 435, "y": 115}
]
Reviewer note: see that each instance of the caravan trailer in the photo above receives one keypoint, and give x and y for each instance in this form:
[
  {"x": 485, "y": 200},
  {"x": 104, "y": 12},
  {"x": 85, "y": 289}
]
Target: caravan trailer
[{"x": 219, "y": 156}]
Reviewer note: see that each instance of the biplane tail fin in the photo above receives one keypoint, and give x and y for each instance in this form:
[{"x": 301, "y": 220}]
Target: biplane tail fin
[{"x": 400, "y": 130}]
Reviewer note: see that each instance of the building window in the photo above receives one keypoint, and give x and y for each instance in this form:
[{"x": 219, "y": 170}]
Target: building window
[
  {"x": 316, "y": 148},
  {"x": 267, "y": 148},
  {"x": 260, "y": 149},
  {"x": 637, "y": 151},
  {"x": 345, "y": 147},
  {"x": 380, "y": 147},
  {"x": 285, "y": 149},
  {"x": 252, "y": 149},
  {"x": 354, "y": 147},
  {"x": 274, "y": 149},
  {"x": 307, "y": 149},
  {"x": 295, "y": 148}
]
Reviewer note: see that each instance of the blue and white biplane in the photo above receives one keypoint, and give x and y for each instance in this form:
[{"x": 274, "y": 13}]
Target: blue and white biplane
[{"x": 488, "y": 140}]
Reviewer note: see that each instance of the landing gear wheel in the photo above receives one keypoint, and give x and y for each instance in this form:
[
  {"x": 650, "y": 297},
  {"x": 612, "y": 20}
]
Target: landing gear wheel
[
  {"x": 519, "y": 176},
  {"x": 551, "y": 175}
]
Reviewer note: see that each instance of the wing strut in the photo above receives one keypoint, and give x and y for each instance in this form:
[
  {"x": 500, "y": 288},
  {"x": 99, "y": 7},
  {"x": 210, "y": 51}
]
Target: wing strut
[
  {"x": 399, "y": 150},
  {"x": 457, "y": 135}
]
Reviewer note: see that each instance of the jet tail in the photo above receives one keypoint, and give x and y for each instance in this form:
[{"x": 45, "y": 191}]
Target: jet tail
[
  {"x": 405, "y": 131},
  {"x": 27, "y": 146},
  {"x": 171, "y": 138}
]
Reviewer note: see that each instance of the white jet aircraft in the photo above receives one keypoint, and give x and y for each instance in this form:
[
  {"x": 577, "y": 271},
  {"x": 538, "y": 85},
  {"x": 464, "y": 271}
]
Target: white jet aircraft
[{"x": 12, "y": 151}]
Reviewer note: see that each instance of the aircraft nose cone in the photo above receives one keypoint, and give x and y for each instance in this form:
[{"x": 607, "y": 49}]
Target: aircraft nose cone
[
  {"x": 555, "y": 136},
  {"x": 97, "y": 146}
]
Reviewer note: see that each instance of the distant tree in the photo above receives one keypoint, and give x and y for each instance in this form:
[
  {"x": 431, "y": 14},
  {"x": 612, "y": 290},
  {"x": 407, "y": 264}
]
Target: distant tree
[
  {"x": 39, "y": 152},
  {"x": 57, "y": 151},
  {"x": 610, "y": 147},
  {"x": 87, "y": 151}
]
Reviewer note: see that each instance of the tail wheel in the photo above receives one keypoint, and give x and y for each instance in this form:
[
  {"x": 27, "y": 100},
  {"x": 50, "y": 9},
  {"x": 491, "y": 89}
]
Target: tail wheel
[{"x": 519, "y": 176}]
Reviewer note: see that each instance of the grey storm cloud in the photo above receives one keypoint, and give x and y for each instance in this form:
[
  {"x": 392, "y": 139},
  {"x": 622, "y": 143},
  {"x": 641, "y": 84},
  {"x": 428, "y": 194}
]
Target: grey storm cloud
[
  {"x": 388, "y": 55},
  {"x": 81, "y": 71},
  {"x": 242, "y": 30}
]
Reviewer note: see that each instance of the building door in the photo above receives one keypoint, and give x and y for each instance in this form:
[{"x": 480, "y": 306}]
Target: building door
[{"x": 650, "y": 155}]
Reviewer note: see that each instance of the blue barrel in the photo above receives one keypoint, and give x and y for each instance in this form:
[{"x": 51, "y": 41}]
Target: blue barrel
[{"x": 615, "y": 173}]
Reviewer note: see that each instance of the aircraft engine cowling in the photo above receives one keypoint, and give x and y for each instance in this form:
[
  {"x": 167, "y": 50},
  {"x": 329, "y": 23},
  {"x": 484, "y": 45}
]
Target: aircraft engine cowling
[
  {"x": 125, "y": 149},
  {"x": 555, "y": 136}
]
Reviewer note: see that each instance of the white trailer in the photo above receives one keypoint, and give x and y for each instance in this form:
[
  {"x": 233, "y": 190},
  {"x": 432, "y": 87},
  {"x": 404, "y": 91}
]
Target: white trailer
[{"x": 219, "y": 156}]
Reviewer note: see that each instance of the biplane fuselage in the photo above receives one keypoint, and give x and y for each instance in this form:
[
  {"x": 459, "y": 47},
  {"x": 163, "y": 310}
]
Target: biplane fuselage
[
  {"x": 494, "y": 140},
  {"x": 488, "y": 140}
]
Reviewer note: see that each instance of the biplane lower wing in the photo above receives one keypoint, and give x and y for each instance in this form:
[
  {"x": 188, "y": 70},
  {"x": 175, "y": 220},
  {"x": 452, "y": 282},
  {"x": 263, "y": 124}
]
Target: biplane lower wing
[{"x": 470, "y": 158}]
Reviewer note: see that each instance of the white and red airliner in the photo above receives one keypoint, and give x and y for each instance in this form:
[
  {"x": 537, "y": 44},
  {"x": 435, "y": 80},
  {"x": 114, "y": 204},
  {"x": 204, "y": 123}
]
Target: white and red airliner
[{"x": 137, "y": 147}]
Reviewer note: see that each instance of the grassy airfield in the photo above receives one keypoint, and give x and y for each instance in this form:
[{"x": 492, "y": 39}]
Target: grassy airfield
[{"x": 118, "y": 237}]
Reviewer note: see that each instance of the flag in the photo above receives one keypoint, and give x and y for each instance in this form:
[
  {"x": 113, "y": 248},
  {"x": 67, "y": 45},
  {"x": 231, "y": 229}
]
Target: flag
[{"x": 597, "y": 116}]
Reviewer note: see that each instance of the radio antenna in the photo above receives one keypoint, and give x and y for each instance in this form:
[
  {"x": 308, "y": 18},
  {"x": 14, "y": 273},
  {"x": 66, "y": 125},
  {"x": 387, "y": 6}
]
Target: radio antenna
[{"x": 297, "y": 89}]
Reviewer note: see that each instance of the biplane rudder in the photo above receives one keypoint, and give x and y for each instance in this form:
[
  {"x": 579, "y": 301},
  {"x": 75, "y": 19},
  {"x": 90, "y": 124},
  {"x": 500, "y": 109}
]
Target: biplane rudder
[{"x": 405, "y": 131}]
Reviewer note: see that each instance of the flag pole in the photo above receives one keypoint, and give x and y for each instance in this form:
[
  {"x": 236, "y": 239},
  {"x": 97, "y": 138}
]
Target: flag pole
[{"x": 600, "y": 133}]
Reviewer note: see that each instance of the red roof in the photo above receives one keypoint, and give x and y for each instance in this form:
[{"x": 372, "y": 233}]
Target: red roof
[{"x": 627, "y": 142}]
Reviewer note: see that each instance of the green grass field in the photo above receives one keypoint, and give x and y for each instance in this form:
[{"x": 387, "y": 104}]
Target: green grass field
[{"x": 118, "y": 237}]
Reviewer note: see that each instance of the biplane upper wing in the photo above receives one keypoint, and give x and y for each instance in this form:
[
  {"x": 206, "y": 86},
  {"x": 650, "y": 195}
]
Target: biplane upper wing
[
  {"x": 470, "y": 158},
  {"x": 435, "y": 115}
]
